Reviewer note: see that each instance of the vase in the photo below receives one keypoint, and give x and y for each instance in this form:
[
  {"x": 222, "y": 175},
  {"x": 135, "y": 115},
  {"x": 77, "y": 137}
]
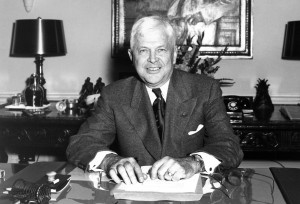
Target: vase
[
  {"x": 262, "y": 104},
  {"x": 34, "y": 94}
]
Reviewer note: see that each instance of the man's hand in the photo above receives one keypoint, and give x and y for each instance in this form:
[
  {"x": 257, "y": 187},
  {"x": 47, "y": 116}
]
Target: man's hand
[
  {"x": 126, "y": 169},
  {"x": 172, "y": 169}
]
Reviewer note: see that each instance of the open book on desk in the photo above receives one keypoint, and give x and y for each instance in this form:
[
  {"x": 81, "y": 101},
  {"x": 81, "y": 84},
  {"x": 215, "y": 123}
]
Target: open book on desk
[{"x": 154, "y": 190}]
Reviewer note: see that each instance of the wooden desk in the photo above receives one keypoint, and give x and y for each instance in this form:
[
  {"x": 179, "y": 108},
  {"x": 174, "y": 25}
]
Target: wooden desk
[
  {"x": 254, "y": 189},
  {"x": 278, "y": 138},
  {"x": 268, "y": 163},
  {"x": 41, "y": 134}
]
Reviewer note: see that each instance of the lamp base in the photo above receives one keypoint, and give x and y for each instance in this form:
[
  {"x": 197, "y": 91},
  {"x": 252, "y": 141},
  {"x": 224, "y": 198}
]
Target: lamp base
[
  {"x": 46, "y": 102},
  {"x": 39, "y": 59}
]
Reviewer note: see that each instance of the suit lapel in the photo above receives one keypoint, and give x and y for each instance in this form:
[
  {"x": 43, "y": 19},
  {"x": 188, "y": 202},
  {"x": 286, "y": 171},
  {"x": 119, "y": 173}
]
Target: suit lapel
[
  {"x": 138, "y": 113},
  {"x": 180, "y": 106}
]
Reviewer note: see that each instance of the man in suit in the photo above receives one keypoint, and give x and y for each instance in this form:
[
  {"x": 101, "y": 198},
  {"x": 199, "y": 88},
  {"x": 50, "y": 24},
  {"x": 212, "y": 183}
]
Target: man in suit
[{"x": 193, "y": 134}]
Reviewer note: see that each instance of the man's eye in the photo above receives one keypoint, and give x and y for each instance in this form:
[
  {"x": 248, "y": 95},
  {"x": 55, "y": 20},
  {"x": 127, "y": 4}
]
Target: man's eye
[
  {"x": 161, "y": 50},
  {"x": 143, "y": 51}
]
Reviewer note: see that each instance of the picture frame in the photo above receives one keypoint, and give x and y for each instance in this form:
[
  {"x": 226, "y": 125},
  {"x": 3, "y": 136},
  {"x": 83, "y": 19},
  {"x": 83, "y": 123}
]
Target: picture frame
[{"x": 231, "y": 25}]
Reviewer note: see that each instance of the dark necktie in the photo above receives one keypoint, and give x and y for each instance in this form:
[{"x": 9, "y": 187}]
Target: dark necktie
[{"x": 159, "y": 111}]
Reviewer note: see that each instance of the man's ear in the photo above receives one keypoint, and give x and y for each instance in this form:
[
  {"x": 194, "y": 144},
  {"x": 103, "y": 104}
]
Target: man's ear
[
  {"x": 175, "y": 55},
  {"x": 130, "y": 54}
]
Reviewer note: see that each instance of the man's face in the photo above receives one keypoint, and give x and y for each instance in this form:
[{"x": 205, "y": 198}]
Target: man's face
[{"x": 153, "y": 57}]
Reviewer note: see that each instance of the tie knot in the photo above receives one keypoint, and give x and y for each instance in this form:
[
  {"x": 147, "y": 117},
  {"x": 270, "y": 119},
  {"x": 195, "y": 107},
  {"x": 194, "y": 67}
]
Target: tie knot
[{"x": 157, "y": 92}]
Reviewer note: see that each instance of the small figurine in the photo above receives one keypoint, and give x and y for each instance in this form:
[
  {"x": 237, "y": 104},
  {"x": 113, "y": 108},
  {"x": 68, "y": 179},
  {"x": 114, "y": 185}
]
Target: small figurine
[
  {"x": 98, "y": 86},
  {"x": 87, "y": 89}
]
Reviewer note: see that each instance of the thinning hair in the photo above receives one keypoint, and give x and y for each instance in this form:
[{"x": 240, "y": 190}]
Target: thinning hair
[{"x": 150, "y": 22}]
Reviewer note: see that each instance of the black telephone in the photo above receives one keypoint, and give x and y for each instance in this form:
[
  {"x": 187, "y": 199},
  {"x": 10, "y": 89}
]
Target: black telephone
[{"x": 235, "y": 103}]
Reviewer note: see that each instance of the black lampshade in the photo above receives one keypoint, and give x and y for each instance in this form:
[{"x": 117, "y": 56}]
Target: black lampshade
[
  {"x": 291, "y": 46},
  {"x": 38, "y": 37}
]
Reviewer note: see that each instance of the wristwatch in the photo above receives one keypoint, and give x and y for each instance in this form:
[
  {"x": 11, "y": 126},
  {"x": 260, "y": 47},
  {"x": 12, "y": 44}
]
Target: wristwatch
[{"x": 200, "y": 161}]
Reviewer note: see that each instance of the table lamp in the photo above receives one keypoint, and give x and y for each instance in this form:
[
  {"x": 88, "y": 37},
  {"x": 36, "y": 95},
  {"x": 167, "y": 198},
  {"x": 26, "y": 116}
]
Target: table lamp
[
  {"x": 291, "y": 46},
  {"x": 38, "y": 38}
]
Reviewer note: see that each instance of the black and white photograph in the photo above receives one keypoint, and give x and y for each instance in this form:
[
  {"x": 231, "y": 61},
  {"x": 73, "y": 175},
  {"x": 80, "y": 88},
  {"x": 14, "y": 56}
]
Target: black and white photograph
[{"x": 149, "y": 101}]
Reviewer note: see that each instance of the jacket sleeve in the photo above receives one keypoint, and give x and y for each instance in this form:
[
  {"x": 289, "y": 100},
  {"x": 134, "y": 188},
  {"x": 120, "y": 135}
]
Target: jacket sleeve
[
  {"x": 220, "y": 139},
  {"x": 96, "y": 134}
]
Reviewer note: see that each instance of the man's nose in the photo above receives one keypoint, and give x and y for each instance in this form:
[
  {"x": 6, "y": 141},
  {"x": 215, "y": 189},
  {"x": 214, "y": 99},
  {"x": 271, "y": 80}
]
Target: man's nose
[{"x": 152, "y": 57}]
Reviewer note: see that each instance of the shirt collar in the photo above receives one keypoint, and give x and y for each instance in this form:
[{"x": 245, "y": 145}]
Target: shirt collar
[{"x": 164, "y": 91}]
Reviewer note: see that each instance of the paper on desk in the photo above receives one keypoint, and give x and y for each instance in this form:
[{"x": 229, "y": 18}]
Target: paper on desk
[
  {"x": 157, "y": 185},
  {"x": 152, "y": 190}
]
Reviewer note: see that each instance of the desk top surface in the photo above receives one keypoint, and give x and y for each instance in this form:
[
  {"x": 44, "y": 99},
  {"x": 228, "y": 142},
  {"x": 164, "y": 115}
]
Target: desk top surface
[
  {"x": 276, "y": 119},
  {"x": 254, "y": 188},
  {"x": 49, "y": 113}
]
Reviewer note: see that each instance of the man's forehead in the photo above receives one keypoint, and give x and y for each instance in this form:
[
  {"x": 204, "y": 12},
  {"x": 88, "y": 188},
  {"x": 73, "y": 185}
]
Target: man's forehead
[
  {"x": 153, "y": 33},
  {"x": 152, "y": 40}
]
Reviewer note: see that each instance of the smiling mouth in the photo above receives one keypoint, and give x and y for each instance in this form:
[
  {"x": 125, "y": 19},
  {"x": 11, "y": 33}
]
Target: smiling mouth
[{"x": 153, "y": 68}]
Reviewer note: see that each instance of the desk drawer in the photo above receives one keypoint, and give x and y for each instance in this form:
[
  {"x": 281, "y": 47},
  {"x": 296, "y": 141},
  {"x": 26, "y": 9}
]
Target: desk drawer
[
  {"x": 24, "y": 136},
  {"x": 36, "y": 136}
]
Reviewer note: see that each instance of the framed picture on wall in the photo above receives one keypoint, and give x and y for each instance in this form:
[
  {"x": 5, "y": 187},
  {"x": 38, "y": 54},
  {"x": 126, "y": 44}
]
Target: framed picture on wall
[{"x": 223, "y": 22}]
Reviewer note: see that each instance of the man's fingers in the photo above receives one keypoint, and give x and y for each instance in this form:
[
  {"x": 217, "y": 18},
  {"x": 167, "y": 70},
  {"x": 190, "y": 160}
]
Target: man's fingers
[
  {"x": 145, "y": 176},
  {"x": 168, "y": 176},
  {"x": 177, "y": 176},
  {"x": 168, "y": 169},
  {"x": 161, "y": 167},
  {"x": 154, "y": 169},
  {"x": 138, "y": 172},
  {"x": 134, "y": 171},
  {"x": 113, "y": 174},
  {"x": 171, "y": 171},
  {"x": 130, "y": 172},
  {"x": 123, "y": 173}
]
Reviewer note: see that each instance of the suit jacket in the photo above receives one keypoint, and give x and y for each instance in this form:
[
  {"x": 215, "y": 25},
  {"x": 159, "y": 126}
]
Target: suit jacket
[{"x": 124, "y": 122}]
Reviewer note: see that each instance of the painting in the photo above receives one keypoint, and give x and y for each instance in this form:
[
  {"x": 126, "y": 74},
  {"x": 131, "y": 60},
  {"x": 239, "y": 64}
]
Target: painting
[{"x": 221, "y": 23}]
